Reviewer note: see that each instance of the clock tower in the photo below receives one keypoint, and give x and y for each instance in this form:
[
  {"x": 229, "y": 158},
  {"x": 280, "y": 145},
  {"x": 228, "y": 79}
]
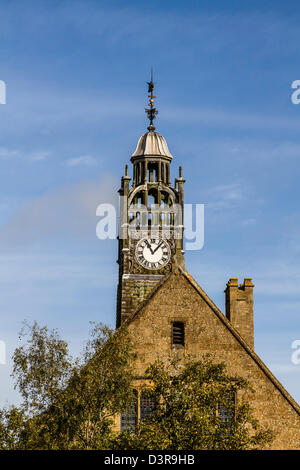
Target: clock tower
[{"x": 151, "y": 219}]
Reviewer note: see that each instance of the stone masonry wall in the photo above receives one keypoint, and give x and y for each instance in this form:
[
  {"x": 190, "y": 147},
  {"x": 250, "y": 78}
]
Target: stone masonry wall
[
  {"x": 177, "y": 300},
  {"x": 135, "y": 289}
]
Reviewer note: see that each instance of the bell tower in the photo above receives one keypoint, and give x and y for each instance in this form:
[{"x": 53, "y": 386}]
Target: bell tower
[{"x": 151, "y": 219}]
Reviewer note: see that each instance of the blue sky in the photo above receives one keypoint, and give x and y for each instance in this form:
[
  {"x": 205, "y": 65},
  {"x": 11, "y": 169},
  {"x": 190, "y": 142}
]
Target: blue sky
[{"x": 75, "y": 73}]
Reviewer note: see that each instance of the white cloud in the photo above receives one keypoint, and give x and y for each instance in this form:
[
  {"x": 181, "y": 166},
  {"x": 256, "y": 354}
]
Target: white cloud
[
  {"x": 229, "y": 192},
  {"x": 248, "y": 222},
  {"x": 85, "y": 160},
  {"x": 284, "y": 368},
  {"x": 278, "y": 279},
  {"x": 39, "y": 156},
  {"x": 36, "y": 156},
  {"x": 25, "y": 271},
  {"x": 6, "y": 154},
  {"x": 233, "y": 119},
  {"x": 226, "y": 197},
  {"x": 65, "y": 214}
]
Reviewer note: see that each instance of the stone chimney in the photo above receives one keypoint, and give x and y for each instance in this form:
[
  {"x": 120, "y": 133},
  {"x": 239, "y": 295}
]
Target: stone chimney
[{"x": 239, "y": 308}]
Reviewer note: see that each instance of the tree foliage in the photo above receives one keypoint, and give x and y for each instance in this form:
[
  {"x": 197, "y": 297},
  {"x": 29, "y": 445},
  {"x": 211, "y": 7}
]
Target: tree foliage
[
  {"x": 71, "y": 403},
  {"x": 187, "y": 404},
  {"x": 67, "y": 403}
]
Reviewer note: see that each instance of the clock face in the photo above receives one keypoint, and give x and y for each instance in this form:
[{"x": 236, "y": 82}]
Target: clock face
[{"x": 152, "y": 253}]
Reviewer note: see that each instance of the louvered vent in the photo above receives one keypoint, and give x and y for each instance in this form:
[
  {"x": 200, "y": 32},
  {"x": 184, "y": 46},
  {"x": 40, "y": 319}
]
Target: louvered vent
[{"x": 178, "y": 333}]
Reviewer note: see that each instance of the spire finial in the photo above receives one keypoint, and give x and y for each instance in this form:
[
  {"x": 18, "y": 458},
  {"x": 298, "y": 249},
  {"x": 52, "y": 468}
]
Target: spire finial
[{"x": 151, "y": 111}]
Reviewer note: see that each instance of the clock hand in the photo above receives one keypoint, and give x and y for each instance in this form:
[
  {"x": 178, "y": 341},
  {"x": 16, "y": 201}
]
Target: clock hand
[
  {"x": 157, "y": 247},
  {"x": 149, "y": 246}
]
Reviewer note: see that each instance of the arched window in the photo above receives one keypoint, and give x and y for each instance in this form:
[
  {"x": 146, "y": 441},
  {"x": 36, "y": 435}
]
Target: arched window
[
  {"x": 129, "y": 416},
  {"x": 151, "y": 200},
  {"x": 152, "y": 172}
]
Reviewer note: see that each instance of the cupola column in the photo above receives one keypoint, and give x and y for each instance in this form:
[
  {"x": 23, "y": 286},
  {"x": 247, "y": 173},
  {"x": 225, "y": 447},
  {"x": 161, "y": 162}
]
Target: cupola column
[
  {"x": 145, "y": 171},
  {"x": 159, "y": 172}
]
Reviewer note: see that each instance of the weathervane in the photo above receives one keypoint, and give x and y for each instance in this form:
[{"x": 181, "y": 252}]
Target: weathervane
[{"x": 151, "y": 111}]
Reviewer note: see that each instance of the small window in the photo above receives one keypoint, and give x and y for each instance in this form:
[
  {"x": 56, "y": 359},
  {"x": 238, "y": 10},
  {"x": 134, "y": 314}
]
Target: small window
[
  {"x": 129, "y": 416},
  {"x": 146, "y": 405},
  {"x": 178, "y": 333},
  {"x": 226, "y": 409}
]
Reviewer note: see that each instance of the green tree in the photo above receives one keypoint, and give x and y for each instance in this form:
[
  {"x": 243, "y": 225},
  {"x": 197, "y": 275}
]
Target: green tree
[
  {"x": 12, "y": 423},
  {"x": 67, "y": 403},
  {"x": 71, "y": 404},
  {"x": 100, "y": 390},
  {"x": 195, "y": 408}
]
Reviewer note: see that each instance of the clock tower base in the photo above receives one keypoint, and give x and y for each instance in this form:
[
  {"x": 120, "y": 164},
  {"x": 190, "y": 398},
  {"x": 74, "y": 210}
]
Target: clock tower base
[{"x": 133, "y": 290}]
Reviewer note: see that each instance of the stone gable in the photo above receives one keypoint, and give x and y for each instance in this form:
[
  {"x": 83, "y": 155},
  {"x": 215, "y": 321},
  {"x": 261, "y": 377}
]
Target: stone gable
[{"x": 207, "y": 331}]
